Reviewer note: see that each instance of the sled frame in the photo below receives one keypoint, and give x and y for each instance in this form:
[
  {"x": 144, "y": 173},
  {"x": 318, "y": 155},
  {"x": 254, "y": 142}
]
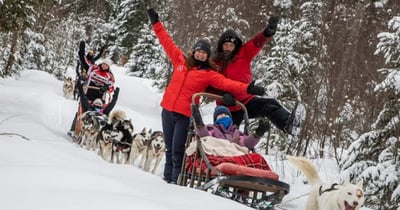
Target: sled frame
[{"x": 255, "y": 192}]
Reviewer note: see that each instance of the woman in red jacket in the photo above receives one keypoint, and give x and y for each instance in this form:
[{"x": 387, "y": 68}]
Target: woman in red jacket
[{"x": 191, "y": 74}]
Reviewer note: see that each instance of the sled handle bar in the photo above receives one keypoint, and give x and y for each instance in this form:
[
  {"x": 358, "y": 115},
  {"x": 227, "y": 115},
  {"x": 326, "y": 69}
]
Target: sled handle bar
[{"x": 218, "y": 97}]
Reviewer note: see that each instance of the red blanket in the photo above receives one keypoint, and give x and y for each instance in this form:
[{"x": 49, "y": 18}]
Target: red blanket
[{"x": 252, "y": 160}]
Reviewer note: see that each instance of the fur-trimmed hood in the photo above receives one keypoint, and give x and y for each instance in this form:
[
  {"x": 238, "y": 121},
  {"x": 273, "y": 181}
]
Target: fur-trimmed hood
[{"x": 230, "y": 36}]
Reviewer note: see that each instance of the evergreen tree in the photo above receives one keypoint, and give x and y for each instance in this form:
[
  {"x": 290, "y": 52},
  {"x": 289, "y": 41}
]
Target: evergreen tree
[
  {"x": 375, "y": 155},
  {"x": 129, "y": 22},
  {"x": 147, "y": 58},
  {"x": 15, "y": 18}
]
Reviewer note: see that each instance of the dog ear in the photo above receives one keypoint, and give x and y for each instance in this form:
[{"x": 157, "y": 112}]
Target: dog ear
[{"x": 360, "y": 183}]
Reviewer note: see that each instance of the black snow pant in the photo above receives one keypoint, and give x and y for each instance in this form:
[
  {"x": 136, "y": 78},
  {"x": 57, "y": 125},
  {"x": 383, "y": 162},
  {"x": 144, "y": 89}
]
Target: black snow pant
[
  {"x": 264, "y": 107},
  {"x": 175, "y": 128}
]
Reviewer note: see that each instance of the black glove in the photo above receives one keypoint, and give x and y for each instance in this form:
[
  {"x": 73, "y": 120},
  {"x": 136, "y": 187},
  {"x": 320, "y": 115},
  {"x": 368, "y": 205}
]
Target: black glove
[
  {"x": 255, "y": 89},
  {"x": 228, "y": 99},
  {"x": 272, "y": 26},
  {"x": 153, "y": 15},
  {"x": 263, "y": 126},
  {"x": 104, "y": 88},
  {"x": 197, "y": 116},
  {"x": 81, "y": 51}
]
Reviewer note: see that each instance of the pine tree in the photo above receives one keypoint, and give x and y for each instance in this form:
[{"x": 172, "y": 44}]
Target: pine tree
[
  {"x": 129, "y": 22},
  {"x": 375, "y": 155},
  {"x": 147, "y": 58}
]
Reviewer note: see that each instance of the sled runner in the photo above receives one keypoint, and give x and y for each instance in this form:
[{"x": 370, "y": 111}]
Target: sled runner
[{"x": 226, "y": 176}]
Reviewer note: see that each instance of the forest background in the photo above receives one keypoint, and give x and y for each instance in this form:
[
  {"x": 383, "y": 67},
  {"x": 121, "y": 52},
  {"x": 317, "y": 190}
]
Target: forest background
[{"x": 340, "y": 58}]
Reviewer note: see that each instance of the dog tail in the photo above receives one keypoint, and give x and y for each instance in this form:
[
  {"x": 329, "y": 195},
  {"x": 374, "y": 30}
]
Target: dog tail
[
  {"x": 306, "y": 167},
  {"x": 116, "y": 115}
]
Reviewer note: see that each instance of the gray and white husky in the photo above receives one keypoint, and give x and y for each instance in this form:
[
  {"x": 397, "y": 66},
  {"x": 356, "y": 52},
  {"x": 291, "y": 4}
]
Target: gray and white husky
[{"x": 155, "y": 151}]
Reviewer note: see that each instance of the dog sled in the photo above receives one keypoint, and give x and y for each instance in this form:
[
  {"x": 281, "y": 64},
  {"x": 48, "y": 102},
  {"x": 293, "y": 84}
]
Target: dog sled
[
  {"x": 253, "y": 187},
  {"x": 97, "y": 118}
]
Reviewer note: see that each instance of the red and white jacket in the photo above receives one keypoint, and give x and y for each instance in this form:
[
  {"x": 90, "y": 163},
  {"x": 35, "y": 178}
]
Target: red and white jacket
[{"x": 97, "y": 78}]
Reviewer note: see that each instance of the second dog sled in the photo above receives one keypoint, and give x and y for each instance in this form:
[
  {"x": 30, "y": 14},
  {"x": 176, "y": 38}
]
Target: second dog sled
[{"x": 256, "y": 188}]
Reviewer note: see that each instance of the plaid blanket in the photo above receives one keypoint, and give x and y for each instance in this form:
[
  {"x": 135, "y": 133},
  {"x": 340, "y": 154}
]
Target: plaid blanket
[{"x": 253, "y": 160}]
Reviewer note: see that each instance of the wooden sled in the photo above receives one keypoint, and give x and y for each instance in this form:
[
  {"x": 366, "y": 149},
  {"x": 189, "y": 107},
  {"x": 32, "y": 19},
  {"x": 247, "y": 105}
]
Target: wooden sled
[
  {"x": 256, "y": 188},
  {"x": 78, "y": 124}
]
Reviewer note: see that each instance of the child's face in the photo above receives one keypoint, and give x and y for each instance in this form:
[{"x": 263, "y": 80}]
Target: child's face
[{"x": 222, "y": 115}]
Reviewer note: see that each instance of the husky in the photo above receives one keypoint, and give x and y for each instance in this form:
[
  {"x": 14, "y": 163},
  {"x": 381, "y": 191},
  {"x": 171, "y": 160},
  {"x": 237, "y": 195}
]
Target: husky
[
  {"x": 116, "y": 116},
  {"x": 68, "y": 87},
  {"x": 92, "y": 122},
  {"x": 155, "y": 151},
  {"x": 122, "y": 141},
  {"x": 324, "y": 196},
  {"x": 105, "y": 141},
  {"x": 140, "y": 143}
]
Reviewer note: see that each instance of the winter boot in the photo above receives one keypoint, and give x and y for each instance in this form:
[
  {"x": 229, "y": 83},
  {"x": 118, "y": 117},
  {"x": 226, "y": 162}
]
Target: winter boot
[{"x": 296, "y": 118}]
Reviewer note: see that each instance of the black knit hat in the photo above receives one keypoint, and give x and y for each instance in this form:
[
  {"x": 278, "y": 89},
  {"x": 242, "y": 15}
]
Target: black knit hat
[
  {"x": 202, "y": 44},
  {"x": 229, "y": 36}
]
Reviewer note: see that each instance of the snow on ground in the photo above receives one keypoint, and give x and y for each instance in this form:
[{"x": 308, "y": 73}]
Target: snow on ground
[{"x": 48, "y": 171}]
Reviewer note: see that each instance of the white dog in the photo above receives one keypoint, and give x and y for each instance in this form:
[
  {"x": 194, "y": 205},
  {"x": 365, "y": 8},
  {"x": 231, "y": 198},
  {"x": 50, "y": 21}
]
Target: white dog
[
  {"x": 155, "y": 151},
  {"x": 68, "y": 88},
  {"x": 328, "y": 196}
]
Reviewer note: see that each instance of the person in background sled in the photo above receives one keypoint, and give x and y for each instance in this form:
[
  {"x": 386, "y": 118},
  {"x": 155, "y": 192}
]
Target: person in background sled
[
  {"x": 233, "y": 60},
  {"x": 191, "y": 74},
  {"x": 91, "y": 58},
  {"x": 223, "y": 128},
  {"x": 100, "y": 79},
  {"x": 96, "y": 105}
]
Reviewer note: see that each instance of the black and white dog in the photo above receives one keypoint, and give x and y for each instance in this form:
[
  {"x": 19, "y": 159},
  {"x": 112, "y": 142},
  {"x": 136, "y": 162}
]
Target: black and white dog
[
  {"x": 105, "y": 141},
  {"x": 92, "y": 123},
  {"x": 121, "y": 148},
  {"x": 115, "y": 138}
]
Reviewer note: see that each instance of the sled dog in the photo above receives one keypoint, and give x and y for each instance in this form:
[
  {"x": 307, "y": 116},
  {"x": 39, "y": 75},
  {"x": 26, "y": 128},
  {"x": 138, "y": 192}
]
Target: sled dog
[
  {"x": 116, "y": 116},
  {"x": 155, "y": 151},
  {"x": 324, "y": 196},
  {"x": 140, "y": 143},
  {"x": 92, "y": 122},
  {"x": 68, "y": 88},
  {"x": 105, "y": 140},
  {"x": 122, "y": 141}
]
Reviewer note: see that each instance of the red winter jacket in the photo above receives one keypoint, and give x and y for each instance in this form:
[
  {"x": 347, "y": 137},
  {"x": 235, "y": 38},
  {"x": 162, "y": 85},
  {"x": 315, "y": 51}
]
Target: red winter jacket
[
  {"x": 186, "y": 82},
  {"x": 239, "y": 69},
  {"x": 98, "y": 78}
]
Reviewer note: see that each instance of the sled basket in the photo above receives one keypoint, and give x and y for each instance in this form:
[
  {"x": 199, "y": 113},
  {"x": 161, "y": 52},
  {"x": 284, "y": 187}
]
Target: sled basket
[{"x": 253, "y": 187}]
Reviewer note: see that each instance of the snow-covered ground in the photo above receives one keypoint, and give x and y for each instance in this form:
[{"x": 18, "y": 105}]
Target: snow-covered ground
[{"x": 48, "y": 171}]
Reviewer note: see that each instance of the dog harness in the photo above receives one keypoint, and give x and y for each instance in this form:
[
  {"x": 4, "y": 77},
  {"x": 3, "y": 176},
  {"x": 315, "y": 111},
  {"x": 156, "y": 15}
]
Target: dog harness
[{"x": 332, "y": 188}]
